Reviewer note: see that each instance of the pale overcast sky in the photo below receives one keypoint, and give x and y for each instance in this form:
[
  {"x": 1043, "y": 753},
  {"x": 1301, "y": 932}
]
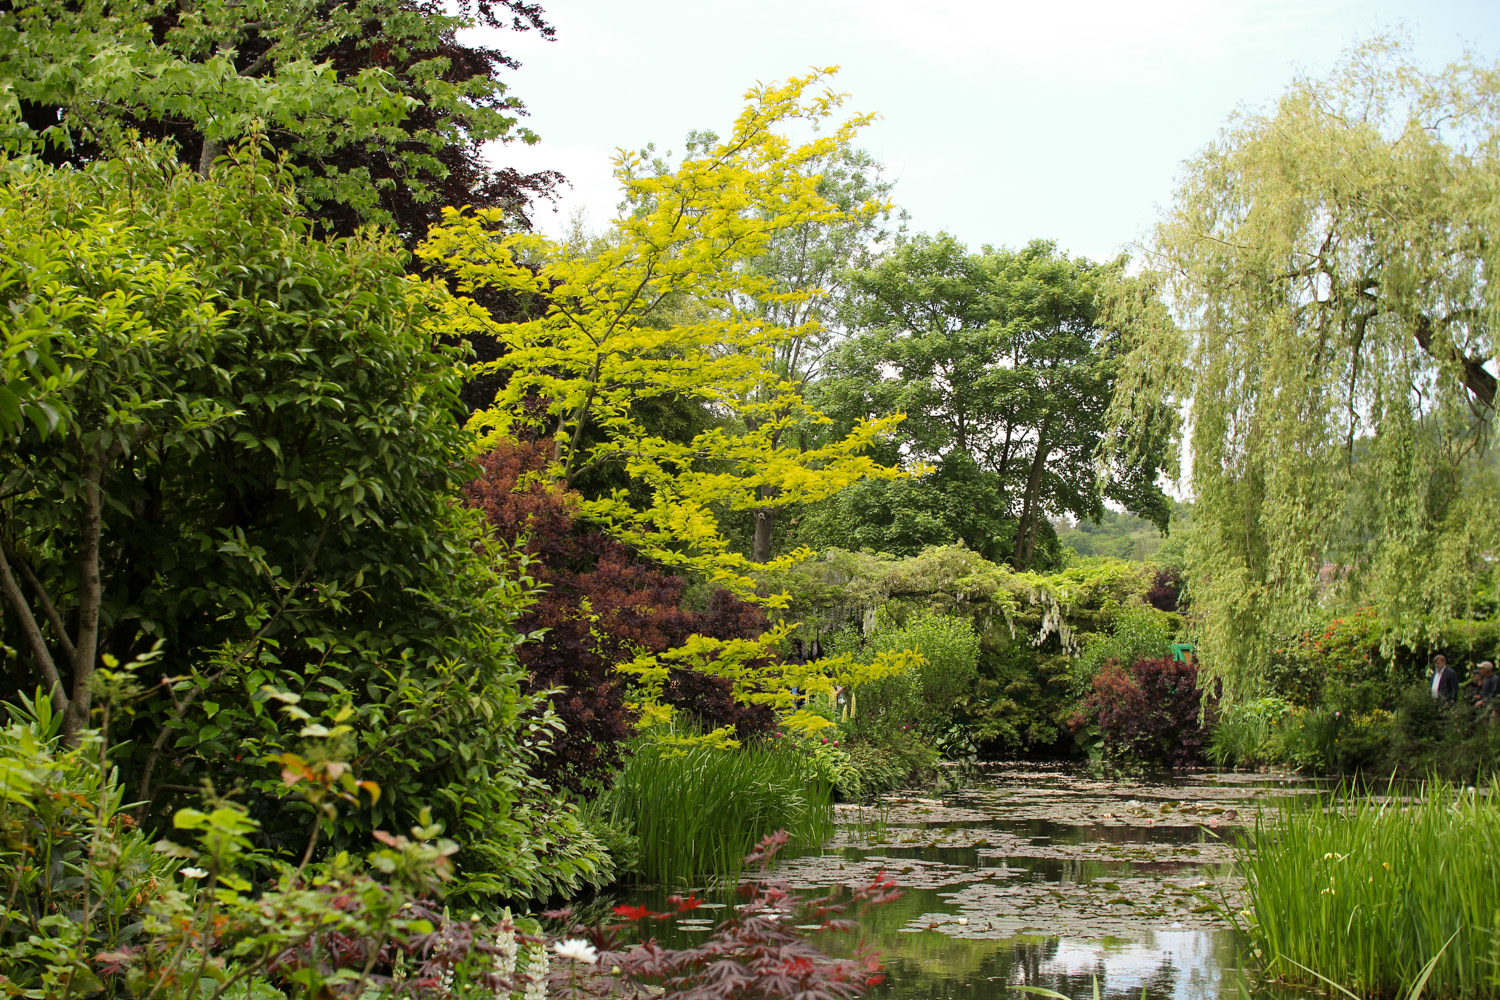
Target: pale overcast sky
[{"x": 1002, "y": 121}]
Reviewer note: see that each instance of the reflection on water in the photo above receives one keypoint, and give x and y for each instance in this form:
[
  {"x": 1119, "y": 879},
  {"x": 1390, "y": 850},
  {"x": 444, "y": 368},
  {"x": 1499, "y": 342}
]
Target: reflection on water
[{"x": 1045, "y": 877}]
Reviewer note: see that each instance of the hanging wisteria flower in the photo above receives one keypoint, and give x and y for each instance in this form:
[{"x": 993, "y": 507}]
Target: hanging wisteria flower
[{"x": 577, "y": 949}]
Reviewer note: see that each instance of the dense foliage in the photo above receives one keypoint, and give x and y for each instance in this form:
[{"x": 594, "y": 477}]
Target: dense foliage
[
  {"x": 600, "y": 607},
  {"x": 1005, "y": 372},
  {"x": 236, "y": 467},
  {"x": 658, "y": 312},
  {"x": 1330, "y": 264},
  {"x": 377, "y": 103}
]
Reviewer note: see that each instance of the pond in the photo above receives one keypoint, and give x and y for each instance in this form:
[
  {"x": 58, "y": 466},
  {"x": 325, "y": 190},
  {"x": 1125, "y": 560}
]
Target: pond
[{"x": 1046, "y": 876}]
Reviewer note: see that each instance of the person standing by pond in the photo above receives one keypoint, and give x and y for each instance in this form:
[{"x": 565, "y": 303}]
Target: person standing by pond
[
  {"x": 1444, "y": 680},
  {"x": 1489, "y": 684}
]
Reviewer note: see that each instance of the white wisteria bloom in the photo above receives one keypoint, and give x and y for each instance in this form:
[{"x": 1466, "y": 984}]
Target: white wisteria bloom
[{"x": 577, "y": 949}]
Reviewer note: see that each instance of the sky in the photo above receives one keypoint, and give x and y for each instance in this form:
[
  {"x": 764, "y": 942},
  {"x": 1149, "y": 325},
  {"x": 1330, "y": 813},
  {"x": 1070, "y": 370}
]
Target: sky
[{"x": 1001, "y": 121}]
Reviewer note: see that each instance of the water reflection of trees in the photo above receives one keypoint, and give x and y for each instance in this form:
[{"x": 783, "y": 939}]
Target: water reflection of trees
[{"x": 1123, "y": 969}]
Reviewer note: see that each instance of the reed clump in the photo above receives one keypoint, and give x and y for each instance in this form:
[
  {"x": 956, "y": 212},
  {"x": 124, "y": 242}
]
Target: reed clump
[
  {"x": 699, "y": 810},
  {"x": 1367, "y": 892}
]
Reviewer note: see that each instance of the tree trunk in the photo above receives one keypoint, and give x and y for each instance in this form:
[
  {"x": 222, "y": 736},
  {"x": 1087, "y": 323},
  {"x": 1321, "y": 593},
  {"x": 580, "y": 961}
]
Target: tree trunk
[
  {"x": 765, "y": 519},
  {"x": 211, "y": 151},
  {"x": 1471, "y": 370},
  {"x": 33, "y": 632},
  {"x": 90, "y": 596},
  {"x": 1025, "y": 549}
]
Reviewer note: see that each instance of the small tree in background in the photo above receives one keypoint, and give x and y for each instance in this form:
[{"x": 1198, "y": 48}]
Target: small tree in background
[{"x": 658, "y": 310}]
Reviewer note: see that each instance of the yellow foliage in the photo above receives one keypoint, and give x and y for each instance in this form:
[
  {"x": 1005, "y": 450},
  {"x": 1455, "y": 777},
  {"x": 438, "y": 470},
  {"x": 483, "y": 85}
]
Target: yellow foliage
[
  {"x": 677, "y": 744},
  {"x": 806, "y": 722},
  {"x": 663, "y": 308},
  {"x": 758, "y": 676}
]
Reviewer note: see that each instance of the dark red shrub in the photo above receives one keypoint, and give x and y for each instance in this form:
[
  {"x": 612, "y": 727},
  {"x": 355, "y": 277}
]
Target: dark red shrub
[
  {"x": 1166, "y": 591},
  {"x": 1149, "y": 712},
  {"x": 710, "y": 701},
  {"x": 601, "y": 607}
]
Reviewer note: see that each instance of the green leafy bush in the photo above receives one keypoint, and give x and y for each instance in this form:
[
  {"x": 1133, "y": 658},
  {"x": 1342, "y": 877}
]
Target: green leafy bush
[
  {"x": 78, "y": 876},
  {"x": 901, "y": 759},
  {"x": 93, "y": 907},
  {"x": 1246, "y": 734},
  {"x": 240, "y": 443}
]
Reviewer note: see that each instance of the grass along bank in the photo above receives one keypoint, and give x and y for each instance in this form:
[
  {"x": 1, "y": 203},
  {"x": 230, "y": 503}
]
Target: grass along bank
[
  {"x": 699, "y": 810},
  {"x": 1366, "y": 892}
]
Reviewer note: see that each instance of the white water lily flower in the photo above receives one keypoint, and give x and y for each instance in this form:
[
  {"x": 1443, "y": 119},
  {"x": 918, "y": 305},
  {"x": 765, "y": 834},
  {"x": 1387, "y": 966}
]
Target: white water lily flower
[
  {"x": 577, "y": 949},
  {"x": 192, "y": 872}
]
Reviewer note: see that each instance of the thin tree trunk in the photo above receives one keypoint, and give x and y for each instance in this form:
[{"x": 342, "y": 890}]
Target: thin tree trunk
[
  {"x": 49, "y": 611},
  {"x": 1025, "y": 548},
  {"x": 33, "y": 632},
  {"x": 90, "y": 597},
  {"x": 212, "y": 150}
]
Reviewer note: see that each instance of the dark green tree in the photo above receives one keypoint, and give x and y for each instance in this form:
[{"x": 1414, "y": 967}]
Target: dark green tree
[
  {"x": 1005, "y": 374},
  {"x": 380, "y": 106}
]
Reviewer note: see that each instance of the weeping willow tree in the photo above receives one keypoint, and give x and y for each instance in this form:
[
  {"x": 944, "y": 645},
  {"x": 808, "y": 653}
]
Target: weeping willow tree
[{"x": 1330, "y": 339}]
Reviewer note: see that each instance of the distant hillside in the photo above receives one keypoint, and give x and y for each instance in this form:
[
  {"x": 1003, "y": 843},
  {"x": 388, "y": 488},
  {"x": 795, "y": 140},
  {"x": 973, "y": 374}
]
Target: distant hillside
[{"x": 1122, "y": 535}]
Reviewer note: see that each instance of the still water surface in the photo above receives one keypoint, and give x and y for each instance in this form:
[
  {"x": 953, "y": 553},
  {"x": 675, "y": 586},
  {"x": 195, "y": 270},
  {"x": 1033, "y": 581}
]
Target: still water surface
[{"x": 1045, "y": 876}]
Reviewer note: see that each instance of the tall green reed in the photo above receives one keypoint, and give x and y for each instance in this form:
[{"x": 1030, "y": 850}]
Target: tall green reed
[
  {"x": 1374, "y": 894},
  {"x": 699, "y": 810}
]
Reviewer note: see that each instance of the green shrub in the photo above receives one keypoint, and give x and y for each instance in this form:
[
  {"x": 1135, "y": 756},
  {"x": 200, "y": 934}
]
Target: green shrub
[
  {"x": 1366, "y": 892},
  {"x": 93, "y": 906},
  {"x": 1246, "y": 732},
  {"x": 253, "y": 442},
  {"x": 697, "y": 811},
  {"x": 899, "y": 760},
  {"x": 78, "y": 876},
  {"x": 1453, "y": 742},
  {"x": 926, "y": 699}
]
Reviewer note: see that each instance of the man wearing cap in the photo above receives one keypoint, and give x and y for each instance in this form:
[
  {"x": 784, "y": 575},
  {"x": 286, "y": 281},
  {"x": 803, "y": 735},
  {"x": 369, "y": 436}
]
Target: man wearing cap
[
  {"x": 1489, "y": 683},
  {"x": 1444, "y": 680}
]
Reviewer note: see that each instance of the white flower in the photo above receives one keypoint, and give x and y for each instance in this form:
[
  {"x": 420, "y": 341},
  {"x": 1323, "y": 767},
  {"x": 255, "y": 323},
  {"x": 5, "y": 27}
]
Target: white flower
[
  {"x": 536, "y": 974},
  {"x": 507, "y": 949},
  {"x": 193, "y": 872},
  {"x": 577, "y": 949}
]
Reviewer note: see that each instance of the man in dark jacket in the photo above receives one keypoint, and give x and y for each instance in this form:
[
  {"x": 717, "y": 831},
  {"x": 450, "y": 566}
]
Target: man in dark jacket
[
  {"x": 1489, "y": 683},
  {"x": 1444, "y": 680}
]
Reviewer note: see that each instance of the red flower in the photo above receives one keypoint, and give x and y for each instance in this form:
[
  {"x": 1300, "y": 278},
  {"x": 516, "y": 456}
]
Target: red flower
[{"x": 632, "y": 912}]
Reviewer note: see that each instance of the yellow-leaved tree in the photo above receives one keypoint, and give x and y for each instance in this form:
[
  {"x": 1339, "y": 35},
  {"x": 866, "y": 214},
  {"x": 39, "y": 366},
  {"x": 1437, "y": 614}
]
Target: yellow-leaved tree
[{"x": 663, "y": 307}]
